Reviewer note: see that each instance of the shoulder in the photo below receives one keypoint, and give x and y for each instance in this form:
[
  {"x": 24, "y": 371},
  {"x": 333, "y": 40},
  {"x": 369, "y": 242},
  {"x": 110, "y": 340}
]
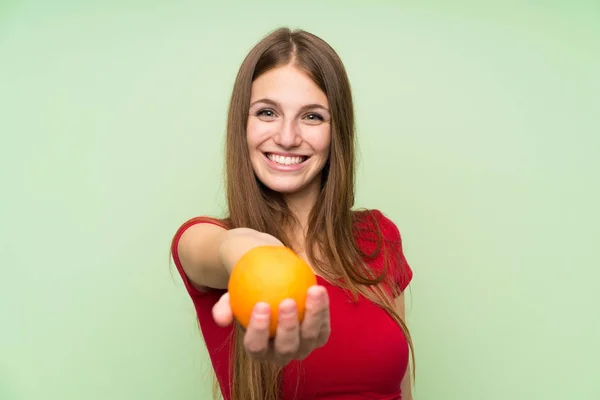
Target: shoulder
[
  {"x": 221, "y": 222},
  {"x": 183, "y": 240},
  {"x": 369, "y": 222},
  {"x": 199, "y": 220},
  {"x": 379, "y": 239}
]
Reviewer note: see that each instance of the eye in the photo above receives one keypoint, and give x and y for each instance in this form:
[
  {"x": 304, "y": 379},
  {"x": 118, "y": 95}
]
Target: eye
[
  {"x": 314, "y": 117},
  {"x": 266, "y": 113}
]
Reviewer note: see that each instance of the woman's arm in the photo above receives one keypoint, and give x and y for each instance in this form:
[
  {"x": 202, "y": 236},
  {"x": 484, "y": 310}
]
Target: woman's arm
[
  {"x": 406, "y": 381},
  {"x": 208, "y": 252}
]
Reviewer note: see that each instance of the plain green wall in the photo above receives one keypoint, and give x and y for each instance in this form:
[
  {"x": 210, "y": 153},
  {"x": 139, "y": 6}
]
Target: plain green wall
[{"x": 478, "y": 130}]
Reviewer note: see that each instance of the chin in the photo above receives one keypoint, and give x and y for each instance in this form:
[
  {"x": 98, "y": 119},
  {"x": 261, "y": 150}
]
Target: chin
[{"x": 285, "y": 187}]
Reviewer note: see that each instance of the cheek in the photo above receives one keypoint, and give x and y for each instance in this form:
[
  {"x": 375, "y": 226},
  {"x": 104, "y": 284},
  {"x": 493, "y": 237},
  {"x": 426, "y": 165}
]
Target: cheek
[
  {"x": 319, "y": 139},
  {"x": 257, "y": 132}
]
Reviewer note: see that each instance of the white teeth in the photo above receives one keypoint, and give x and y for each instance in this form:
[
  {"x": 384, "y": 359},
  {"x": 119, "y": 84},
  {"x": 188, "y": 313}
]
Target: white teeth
[{"x": 285, "y": 160}]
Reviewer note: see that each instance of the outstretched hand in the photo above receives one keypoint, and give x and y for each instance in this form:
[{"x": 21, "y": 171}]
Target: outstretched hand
[{"x": 293, "y": 340}]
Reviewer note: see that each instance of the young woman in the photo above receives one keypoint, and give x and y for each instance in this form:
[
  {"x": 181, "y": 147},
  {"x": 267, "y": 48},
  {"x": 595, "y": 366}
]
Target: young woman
[{"x": 290, "y": 182}]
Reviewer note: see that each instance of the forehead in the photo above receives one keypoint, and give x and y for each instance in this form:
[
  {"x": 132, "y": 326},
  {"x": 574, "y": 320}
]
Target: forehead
[{"x": 289, "y": 86}]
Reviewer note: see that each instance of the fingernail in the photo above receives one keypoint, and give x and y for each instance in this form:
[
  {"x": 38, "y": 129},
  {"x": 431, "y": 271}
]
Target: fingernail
[
  {"x": 316, "y": 294},
  {"x": 287, "y": 308},
  {"x": 261, "y": 309}
]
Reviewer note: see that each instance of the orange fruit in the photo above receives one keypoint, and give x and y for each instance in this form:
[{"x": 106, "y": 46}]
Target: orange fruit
[{"x": 269, "y": 274}]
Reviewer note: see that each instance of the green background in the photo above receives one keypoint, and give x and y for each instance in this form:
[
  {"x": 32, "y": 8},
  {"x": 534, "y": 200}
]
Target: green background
[{"x": 478, "y": 127}]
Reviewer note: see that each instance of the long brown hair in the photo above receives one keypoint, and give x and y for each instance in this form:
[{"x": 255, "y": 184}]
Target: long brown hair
[{"x": 331, "y": 226}]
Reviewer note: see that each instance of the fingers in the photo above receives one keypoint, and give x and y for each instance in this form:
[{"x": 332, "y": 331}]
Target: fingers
[
  {"x": 316, "y": 326},
  {"x": 256, "y": 338},
  {"x": 287, "y": 337},
  {"x": 222, "y": 311},
  {"x": 293, "y": 340}
]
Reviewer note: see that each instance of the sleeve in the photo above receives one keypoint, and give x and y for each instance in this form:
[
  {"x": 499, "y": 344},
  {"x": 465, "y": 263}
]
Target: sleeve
[
  {"x": 192, "y": 290},
  {"x": 400, "y": 270}
]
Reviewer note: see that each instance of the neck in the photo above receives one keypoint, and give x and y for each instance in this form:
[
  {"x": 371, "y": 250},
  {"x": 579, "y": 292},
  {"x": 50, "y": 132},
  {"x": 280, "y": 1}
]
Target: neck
[
  {"x": 301, "y": 207},
  {"x": 301, "y": 204}
]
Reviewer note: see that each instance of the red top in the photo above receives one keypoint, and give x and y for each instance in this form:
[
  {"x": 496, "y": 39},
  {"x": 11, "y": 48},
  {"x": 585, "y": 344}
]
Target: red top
[{"x": 366, "y": 355}]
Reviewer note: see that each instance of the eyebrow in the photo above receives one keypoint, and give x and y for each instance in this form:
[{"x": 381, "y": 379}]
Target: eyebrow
[{"x": 275, "y": 104}]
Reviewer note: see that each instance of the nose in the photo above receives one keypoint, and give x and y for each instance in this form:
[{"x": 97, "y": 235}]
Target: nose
[{"x": 289, "y": 135}]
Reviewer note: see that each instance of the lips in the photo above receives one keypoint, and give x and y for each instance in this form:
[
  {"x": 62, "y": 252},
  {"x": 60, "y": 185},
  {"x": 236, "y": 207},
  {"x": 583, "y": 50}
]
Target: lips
[
  {"x": 285, "y": 163},
  {"x": 286, "y": 160}
]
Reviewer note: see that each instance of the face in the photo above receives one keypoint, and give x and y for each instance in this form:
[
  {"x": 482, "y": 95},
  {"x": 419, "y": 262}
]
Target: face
[{"x": 288, "y": 131}]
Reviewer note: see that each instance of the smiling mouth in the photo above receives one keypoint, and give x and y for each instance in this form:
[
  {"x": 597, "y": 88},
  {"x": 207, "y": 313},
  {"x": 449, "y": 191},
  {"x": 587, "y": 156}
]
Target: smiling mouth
[{"x": 286, "y": 160}]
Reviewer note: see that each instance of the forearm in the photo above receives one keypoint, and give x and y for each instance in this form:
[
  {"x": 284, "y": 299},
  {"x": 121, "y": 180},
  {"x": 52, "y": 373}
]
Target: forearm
[
  {"x": 406, "y": 386},
  {"x": 208, "y": 252},
  {"x": 238, "y": 242}
]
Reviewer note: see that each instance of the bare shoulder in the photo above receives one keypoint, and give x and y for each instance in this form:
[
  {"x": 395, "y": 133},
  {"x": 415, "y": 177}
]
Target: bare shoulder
[
  {"x": 196, "y": 238},
  {"x": 195, "y": 247}
]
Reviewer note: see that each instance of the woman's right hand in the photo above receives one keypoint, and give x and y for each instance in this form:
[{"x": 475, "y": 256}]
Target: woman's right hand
[{"x": 293, "y": 340}]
